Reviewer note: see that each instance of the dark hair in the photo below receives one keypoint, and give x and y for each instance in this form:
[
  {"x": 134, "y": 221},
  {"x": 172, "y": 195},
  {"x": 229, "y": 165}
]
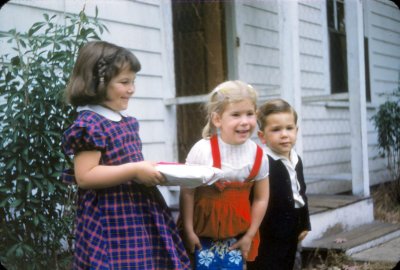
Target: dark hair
[
  {"x": 271, "y": 107},
  {"x": 97, "y": 63}
]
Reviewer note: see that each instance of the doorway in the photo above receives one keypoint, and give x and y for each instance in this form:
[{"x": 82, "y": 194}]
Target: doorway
[{"x": 200, "y": 63}]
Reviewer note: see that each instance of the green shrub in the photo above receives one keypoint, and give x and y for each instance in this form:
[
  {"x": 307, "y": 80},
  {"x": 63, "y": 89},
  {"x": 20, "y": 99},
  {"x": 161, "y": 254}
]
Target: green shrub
[
  {"x": 36, "y": 208},
  {"x": 387, "y": 123}
]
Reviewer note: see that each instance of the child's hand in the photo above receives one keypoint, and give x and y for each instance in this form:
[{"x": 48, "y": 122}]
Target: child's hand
[
  {"x": 146, "y": 174},
  {"x": 192, "y": 242},
  {"x": 244, "y": 245},
  {"x": 302, "y": 235}
]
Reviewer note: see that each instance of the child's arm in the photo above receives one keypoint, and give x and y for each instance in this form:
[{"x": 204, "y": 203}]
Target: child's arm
[
  {"x": 258, "y": 209},
  {"x": 302, "y": 235},
  {"x": 186, "y": 208},
  {"x": 89, "y": 174}
]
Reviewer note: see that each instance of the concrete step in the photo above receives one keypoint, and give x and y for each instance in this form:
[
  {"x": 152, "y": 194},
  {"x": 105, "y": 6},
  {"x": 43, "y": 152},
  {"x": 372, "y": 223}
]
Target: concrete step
[
  {"x": 328, "y": 184},
  {"x": 357, "y": 239},
  {"x": 386, "y": 252},
  {"x": 331, "y": 214}
]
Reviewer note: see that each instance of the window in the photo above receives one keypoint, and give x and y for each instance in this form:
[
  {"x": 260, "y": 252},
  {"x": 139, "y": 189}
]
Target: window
[
  {"x": 338, "y": 49},
  {"x": 337, "y": 45}
]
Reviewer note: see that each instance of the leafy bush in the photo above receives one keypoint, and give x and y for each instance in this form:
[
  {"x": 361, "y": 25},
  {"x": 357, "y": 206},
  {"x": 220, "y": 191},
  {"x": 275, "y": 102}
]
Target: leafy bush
[
  {"x": 387, "y": 123},
  {"x": 36, "y": 208}
]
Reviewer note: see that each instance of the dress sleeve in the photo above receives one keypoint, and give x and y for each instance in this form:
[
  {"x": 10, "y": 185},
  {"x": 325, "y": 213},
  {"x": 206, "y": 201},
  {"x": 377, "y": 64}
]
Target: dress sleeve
[
  {"x": 264, "y": 168},
  {"x": 83, "y": 136},
  {"x": 200, "y": 154}
]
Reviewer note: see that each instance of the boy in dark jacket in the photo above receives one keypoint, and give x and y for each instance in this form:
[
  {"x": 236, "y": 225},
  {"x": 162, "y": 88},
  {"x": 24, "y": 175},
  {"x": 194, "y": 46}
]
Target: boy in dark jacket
[{"x": 287, "y": 219}]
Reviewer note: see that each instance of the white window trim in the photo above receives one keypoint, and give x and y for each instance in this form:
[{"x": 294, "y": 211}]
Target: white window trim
[{"x": 185, "y": 100}]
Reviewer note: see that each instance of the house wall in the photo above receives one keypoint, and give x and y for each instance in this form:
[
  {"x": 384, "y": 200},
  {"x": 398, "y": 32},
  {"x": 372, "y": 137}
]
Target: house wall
[
  {"x": 257, "y": 27},
  {"x": 145, "y": 28},
  {"x": 136, "y": 25},
  {"x": 326, "y": 138},
  {"x": 383, "y": 32},
  {"x": 326, "y": 123}
]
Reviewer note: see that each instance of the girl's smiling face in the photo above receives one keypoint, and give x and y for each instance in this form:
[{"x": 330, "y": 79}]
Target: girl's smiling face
[
  {"x": 120, "y": 89},
  {"x": 237, "y": 122}
]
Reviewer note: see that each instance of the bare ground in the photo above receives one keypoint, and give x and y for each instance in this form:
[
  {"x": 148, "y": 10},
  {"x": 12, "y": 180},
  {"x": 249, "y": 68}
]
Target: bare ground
[{"x": 386, "y": 199}]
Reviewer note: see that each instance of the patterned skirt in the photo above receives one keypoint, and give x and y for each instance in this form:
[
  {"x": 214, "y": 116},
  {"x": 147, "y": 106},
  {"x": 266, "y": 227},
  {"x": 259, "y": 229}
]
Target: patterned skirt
[{"x": 127, "y": 227}]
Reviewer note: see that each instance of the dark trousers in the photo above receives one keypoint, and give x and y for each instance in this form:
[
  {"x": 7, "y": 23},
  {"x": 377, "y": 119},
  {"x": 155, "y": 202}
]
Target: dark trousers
[{"x": 276, "y": 253}]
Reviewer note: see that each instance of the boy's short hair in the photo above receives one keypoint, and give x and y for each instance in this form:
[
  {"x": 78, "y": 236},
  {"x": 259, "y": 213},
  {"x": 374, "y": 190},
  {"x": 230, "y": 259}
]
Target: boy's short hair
[{"x": 273, "y": 106}]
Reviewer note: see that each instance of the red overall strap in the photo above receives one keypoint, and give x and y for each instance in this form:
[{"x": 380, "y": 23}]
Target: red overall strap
[
  {"x": 217, "y": 158},
  {"x": 215, "y": 152},
  {"x": 256, "y": 165}
]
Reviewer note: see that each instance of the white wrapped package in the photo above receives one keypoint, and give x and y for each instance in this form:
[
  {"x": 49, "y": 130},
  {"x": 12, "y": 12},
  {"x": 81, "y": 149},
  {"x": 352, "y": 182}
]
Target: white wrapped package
[{"x": 190, "y": 176}]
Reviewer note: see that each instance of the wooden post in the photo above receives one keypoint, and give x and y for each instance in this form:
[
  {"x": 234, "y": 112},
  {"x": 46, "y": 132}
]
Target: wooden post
[
  {"x": 290, "y": 61},
  {"x": 357, "y": 97}
]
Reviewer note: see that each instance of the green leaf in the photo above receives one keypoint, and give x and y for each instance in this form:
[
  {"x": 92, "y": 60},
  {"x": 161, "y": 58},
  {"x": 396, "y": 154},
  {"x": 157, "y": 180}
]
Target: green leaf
[
  {"x": 16, "y": 62},
  {"x": 4, "y": 202},
  {"x": 16, "y": 203},
  {"x": 33, "y": 77}
]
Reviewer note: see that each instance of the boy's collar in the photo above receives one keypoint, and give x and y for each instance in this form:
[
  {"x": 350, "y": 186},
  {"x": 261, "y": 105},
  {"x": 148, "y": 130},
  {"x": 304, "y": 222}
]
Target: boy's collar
[
  {"x": 103, "y": 111},
  {"x": 293, "y": 155}
]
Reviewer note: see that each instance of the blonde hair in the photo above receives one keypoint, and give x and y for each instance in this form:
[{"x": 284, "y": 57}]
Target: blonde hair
[{"x": 226, "y": 93}]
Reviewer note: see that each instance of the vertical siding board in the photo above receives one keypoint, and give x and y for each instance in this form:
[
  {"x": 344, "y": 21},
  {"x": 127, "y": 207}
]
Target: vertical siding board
[{"x": 257, "y": 27}]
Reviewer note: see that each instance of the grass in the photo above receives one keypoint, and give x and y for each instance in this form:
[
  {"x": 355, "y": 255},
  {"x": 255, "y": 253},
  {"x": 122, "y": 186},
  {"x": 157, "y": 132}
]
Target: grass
[
  {"x": 387, "y": 202},
  {"x": 386, "y": 198},
  {"x": 339, "y": 261}
]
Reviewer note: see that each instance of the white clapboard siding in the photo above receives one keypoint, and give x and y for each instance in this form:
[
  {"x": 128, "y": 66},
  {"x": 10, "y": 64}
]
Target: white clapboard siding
[
  {"x": 8, "y": 14},
  {"x": 142, "y": 13},
  {"x": 313, "y": 62},
  {"x": 390, "y": 61},
  {"x": 258, "y": 52},
  {"x": 156, "y": 151},
  {"x": 317, "y": 142},
  {"x": 137, "y": 25},
  {"x": 326, "y": 138},
  {"x": 320, "y": 110},
  {"x": 325, "y": 125},
  {"x": 257, "y": 74},
  {"x": 263, "y": 56},
  {"x": 384, "y": 41},
  {"x": 148, "y": 86},
  {"x": 311, "y": 46},
  {"x": 329, "y": 162},
  {"x": 148, "y": 108},
  {"x": 153, "y": 129},
  {"x": 149, "y": 42}
]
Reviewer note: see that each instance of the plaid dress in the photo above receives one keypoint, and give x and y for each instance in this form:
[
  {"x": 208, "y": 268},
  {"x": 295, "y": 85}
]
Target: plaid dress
[{"x": 127, "y": 226}]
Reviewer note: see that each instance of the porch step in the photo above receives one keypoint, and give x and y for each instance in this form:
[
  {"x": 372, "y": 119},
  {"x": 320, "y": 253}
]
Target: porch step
[
  {"x": 337, "y": 213},
  {"x": 386, "y": 252},
  {"x": 358, "y": 239},
  {"x": 328, "y": 184}
]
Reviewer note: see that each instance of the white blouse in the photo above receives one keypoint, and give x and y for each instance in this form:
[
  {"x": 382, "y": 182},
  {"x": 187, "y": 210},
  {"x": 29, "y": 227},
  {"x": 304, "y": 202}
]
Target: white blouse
[{"x": 236, "y": 160}]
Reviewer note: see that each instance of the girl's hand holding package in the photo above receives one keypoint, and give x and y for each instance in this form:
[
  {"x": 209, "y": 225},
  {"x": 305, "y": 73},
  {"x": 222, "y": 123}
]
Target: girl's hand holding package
[{"x": 146, "y": 174}]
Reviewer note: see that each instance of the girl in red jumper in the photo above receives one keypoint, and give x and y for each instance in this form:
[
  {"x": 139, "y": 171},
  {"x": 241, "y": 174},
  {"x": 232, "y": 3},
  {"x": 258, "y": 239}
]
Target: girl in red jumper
[{"x": 219, "y": 224}]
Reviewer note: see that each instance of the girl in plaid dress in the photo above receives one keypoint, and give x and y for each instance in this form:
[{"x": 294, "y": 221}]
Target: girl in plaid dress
[
  {"x": 219, "y": 225},
  {"x": 122, "y": 220}
]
